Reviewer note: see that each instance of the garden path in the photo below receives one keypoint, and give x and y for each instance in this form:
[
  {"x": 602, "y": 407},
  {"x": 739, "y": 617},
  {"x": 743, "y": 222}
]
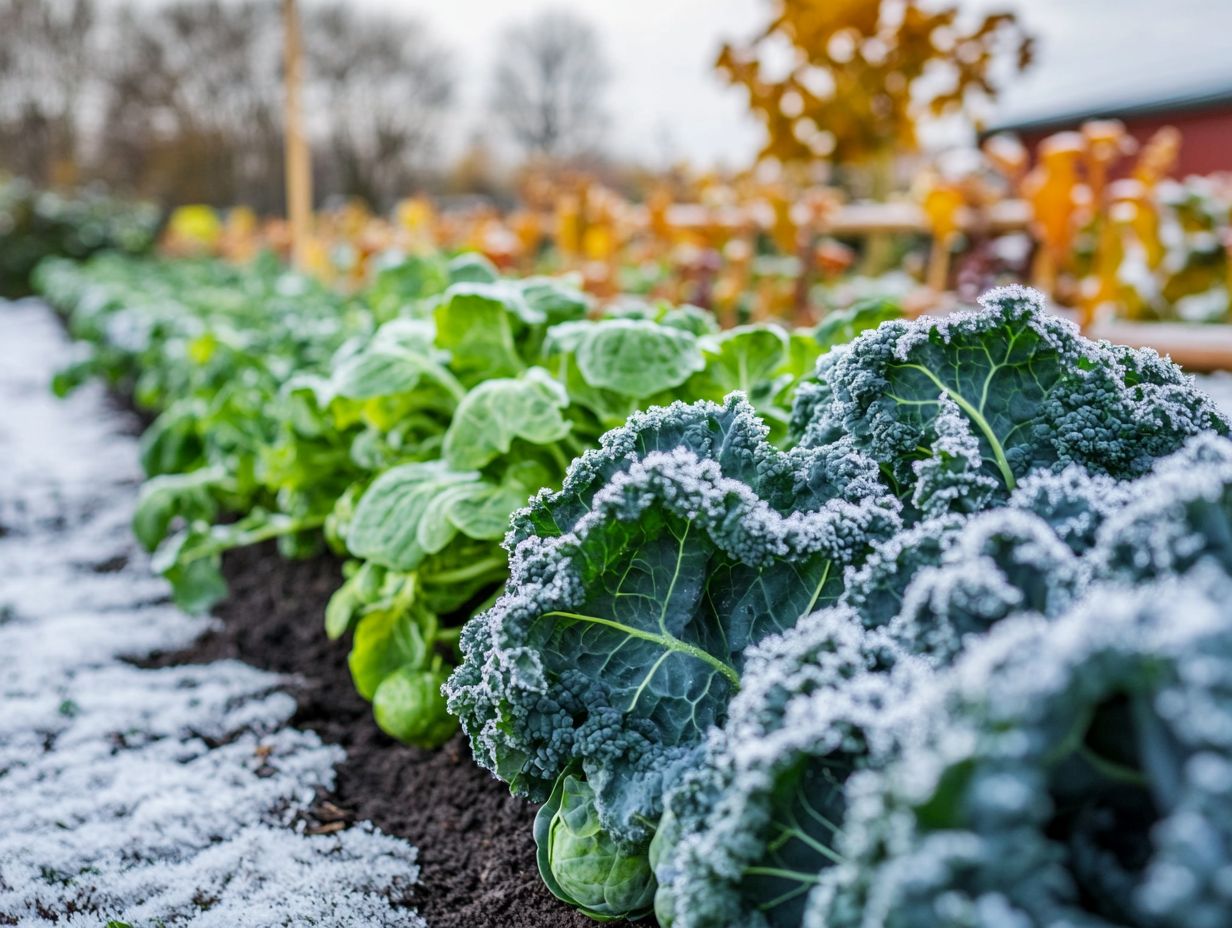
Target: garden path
[{"x": 131, "y": 796}]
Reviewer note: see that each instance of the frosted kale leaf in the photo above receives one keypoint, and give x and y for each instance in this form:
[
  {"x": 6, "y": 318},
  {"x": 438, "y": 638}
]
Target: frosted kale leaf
[
  {"x": 636, "y": 589},
  {"x": 1179, "y": 516},
  {"x": 746, "y": 836},
  {"x": 952, "y": 479},
  {"x": 938, "y": 581},
  {"x": 1001, "y": 563},
  {"x": 1069, "y": 773},
  {"x": 875, "y": 589},
  {"x": 814, "y": 419},
  {"x": 1030, "y": 391},
  {"x": 1074, "y": 502}
]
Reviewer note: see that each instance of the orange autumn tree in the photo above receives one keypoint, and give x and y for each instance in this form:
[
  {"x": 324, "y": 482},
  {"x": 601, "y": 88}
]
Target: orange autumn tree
[{"x": 848, "y": 80}]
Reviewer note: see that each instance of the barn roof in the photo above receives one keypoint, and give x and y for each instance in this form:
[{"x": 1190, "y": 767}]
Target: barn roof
[{"x": 1209, "y": 95}]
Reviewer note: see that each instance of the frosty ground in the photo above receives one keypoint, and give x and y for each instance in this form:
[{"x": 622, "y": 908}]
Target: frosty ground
[{"x": 138, "y": 796}]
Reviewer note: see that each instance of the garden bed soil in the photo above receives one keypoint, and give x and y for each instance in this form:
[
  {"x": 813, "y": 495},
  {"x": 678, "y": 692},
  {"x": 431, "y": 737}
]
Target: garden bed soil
[{"x": 476, "y": 849}]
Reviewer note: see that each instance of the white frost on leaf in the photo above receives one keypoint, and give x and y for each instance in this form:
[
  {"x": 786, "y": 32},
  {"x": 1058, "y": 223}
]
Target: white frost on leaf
[{"x": 169, "y": 797}]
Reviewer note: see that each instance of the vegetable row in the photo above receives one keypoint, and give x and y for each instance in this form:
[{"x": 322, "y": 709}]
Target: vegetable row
[
  {"x": 400, "y": 426},
  {"x": 924, "y": 625}
]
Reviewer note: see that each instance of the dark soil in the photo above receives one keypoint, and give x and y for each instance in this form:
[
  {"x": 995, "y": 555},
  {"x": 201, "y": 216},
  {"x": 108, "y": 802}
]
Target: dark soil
[{"x": 476, "y": 850}]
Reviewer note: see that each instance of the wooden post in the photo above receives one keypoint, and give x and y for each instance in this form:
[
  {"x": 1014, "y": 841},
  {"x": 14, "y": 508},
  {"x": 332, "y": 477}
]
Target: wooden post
[
  {"x": 938, "y": 273},
  {"x": 298, "y": 158}
]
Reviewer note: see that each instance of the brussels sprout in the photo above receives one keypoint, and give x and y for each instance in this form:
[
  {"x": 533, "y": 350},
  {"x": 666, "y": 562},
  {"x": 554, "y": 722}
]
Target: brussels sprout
[
  {"x": 581, "y": 864},
  {"x": 408, "y": 705}
]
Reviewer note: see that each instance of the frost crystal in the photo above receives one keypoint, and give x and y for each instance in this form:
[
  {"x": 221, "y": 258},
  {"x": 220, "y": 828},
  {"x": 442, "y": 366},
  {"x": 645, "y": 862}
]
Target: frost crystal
[{"x": 147, "y": 797}]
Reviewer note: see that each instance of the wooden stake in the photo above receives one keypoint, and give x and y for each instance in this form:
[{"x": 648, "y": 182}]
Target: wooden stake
[
  {"x": 938, "y": 274},
  {"x": 298, "y": 157}
]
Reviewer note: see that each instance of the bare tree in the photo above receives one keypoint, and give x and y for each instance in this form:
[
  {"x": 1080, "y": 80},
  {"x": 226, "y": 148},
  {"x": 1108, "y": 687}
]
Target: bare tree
[
  {"x": 182, "y": 100},
  {"x": 549, "y": 82},
  {"x": 194, "y": 101},
  {"x": 380, "y": 87},
  {"x": 47, "y": 56}
]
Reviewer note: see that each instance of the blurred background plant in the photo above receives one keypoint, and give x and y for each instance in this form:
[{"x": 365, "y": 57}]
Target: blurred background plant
[
  {"x": 36, "y": 224},
  {"x": 848, "y": 194}
]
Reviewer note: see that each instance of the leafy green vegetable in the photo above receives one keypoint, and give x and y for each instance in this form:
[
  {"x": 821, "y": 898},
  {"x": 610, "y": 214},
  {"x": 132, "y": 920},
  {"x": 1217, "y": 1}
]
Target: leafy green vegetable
[
  {"x": 497, "y": 412},
  {"x": 669, "y": 629},
  {"x": 636, "y": 357},
  {"x": 746, "y": 835},
  {"x": 764, "y": 362},
  {"x": 581, "y": 865},
  {"x": 39, "y": 224},
  {"x": 192, "y": 495},
  {"x": 389, "y": 639},
  {"x": 1063, "y": 774},
  {"x": 850, "y": 781},
  {"x": 636, "y": 590},
  {"x": 407, "y": 513},
  {"x": 1019, "y": 385},
  {"x": 408, "y": 705},
  {"x": 841, "y": 326},
  {"x": 946, "y": 645}
]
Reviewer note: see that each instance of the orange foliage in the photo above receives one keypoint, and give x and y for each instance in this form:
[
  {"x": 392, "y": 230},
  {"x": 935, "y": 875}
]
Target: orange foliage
[{"x": 852, "y": 89}]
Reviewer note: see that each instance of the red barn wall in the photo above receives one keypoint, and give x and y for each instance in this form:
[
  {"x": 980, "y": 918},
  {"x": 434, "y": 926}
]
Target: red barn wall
[{"x": 1206, "y": 137}]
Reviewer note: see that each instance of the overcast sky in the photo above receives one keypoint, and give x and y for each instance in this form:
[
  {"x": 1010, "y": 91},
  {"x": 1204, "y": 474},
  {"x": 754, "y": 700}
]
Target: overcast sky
[{"x": 666, "y": 100}]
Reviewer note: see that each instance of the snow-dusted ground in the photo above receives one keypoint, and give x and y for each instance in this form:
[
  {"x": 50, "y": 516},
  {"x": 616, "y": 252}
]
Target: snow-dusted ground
[{"x": 140, "y": 797}]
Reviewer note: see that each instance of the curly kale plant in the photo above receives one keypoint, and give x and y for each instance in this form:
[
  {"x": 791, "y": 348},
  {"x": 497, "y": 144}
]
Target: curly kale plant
[
  {"x": 1072, "y": 750},
  {"x": 1178, "y": 517},
  {"x": 636, "y": 590},
  {"x": 1067, "y": 774},
  {"x": 747, "y": 835},
  {"x": 950, "y": 475},
  {"x": 958, "y": 410}
]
